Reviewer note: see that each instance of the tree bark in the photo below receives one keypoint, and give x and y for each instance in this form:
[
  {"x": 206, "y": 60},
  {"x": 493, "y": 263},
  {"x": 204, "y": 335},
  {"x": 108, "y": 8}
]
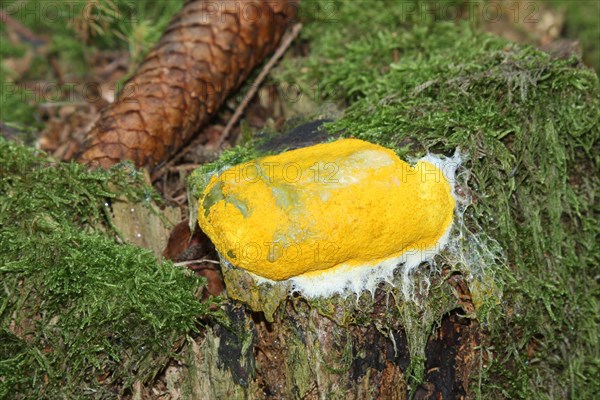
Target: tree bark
[{"x": 321, "y": 351}]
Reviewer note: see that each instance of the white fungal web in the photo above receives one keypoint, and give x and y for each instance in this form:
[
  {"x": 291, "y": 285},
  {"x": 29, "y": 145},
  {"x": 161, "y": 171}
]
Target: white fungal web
[
  {"x": 465, "y": 246},
  {"x": 471, "y": 251}
]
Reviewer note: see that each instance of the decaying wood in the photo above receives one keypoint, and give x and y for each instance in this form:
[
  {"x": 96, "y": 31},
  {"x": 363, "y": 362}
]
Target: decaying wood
[
  {"x": 208, "y": 50},
  {"x": 304, "y": 354}
]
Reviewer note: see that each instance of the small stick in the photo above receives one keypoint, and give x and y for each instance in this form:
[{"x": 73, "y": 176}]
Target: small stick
[
  {"x": 184, "y": 263},
  {"x": 184, "y": 167},
  {"x": 21, "y": 30}
]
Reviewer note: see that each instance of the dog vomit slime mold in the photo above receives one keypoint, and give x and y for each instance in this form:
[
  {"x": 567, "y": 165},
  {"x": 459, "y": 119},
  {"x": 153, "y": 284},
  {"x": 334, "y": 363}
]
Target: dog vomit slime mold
[{"x": 330, "y": 218}]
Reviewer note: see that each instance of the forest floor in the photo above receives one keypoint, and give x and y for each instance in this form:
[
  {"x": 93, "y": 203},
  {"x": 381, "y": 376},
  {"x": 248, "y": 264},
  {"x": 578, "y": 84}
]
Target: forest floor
[{"x": 512, "y": 85}]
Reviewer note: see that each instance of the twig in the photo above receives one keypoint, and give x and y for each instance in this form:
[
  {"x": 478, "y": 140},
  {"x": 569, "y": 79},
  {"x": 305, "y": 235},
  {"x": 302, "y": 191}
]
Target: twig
[
  {"x": 285, "y": 43},
  {"x": 201, "y": 260},
  {"x": 184, "y": 167},
  {"x": 283, "y": 46},
  {"x": 168, "y": 166}
]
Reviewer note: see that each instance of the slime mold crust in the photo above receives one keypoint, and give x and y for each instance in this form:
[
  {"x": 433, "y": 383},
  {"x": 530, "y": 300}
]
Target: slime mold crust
[{"x": 325, "y": 210}]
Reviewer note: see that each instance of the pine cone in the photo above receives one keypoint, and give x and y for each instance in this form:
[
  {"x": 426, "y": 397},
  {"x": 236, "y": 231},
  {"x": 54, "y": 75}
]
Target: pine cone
[{"x": 207, "y": 51}]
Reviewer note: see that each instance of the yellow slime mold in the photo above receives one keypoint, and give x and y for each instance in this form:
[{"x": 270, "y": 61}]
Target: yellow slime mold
[{"x": 331, "y": 207}]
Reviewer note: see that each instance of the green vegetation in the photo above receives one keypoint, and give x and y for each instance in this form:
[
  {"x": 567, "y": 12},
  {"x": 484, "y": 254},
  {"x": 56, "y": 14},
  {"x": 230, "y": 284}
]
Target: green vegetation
[{"x": 80, "y": 315}]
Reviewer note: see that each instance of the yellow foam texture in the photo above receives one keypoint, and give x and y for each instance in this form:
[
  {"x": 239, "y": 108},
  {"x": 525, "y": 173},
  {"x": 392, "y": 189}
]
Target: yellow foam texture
[{"x": 323, "y": 216}]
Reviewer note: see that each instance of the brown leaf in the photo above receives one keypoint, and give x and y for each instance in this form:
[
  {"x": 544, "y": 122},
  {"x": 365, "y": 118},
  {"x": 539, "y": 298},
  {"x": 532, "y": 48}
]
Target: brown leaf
[{"x": 184, "y": 245}]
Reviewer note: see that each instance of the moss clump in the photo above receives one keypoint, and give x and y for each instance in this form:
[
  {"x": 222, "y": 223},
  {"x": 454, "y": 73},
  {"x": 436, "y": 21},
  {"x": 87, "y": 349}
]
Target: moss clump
[{"x": 80, "y": 315}]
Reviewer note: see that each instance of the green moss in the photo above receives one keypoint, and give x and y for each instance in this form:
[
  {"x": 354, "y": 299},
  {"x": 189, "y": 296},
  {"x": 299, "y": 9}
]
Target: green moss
[{"x": 80, "y": 315}]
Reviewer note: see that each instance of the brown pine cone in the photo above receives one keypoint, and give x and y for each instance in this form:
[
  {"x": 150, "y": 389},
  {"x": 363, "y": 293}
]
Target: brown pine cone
[{"x": 207, "y": 51}]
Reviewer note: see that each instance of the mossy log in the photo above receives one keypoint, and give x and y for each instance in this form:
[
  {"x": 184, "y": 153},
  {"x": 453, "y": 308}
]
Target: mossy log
[{"x": 514, "y": 315}]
